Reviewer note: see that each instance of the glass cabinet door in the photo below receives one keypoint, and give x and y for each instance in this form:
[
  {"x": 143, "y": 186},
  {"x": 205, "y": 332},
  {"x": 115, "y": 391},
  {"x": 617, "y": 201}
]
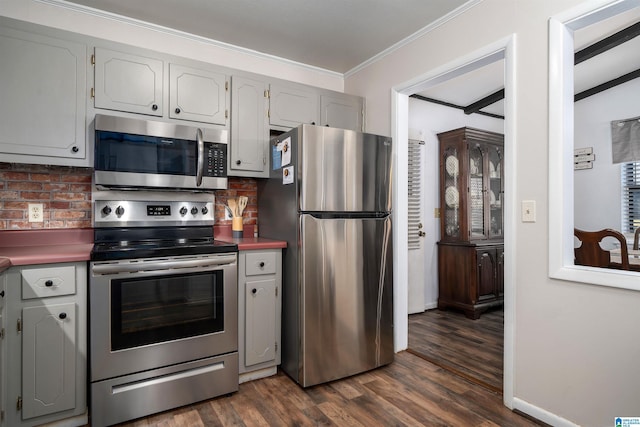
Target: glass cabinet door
[
  {"x": 477, "y": 192},
  {"x": 496, "y": 191},
  {"x": 451, "y": 206}
]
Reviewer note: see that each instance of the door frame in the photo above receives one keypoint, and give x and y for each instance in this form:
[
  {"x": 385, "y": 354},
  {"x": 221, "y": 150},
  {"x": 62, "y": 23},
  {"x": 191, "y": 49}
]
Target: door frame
[{"x": 501, "y": 49}]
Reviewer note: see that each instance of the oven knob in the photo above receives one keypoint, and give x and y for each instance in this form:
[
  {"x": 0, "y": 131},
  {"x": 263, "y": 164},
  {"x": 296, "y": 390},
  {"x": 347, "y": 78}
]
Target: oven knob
[
  {"x": 119, "y": 210},
  {"x": 205, "y": 210},
  {"x": 194, "y": 210},
  {"x": 106, "y": 210},
  {"x": 183, "y": 211}
]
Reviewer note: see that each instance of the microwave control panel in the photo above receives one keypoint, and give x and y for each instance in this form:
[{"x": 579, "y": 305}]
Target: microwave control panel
[{"x": 216, "y": 160}]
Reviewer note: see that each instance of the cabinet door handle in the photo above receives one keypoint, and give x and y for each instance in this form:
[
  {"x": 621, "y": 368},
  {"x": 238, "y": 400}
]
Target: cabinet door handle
[
  {"x": 62, "y": 316},
  {"x": 75, "y": 149},
  {"x": 262, "y": 264},
  {"x": 238, "y": 162},
  {"x": 254, "y": 290},
  {"x": 177, "y": 111},
  {"x": 48, "y": 283},
  {"x": 1, "y": 294},
  {"x": 154, "y": 107}
]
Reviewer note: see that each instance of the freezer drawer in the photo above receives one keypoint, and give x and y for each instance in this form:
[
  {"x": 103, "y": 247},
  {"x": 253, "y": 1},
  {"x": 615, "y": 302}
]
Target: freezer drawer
[{"x": 346, "y": 297}]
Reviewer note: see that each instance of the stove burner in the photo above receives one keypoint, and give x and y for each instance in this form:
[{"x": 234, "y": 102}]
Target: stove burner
[{"x": 150, "y": 242}]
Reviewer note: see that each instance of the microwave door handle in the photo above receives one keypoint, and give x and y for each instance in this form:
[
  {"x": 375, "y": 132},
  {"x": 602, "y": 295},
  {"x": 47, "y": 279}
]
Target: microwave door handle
[{"x": 200, "y": 158}]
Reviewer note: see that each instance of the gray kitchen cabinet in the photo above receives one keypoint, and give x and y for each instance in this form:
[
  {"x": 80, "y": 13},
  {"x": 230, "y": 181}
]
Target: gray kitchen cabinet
[
  {"x": 198, "y": 95},
  {"x": 43, "y": 90},
  {"x": 127, "y": 82},
  {"x": 249, "y": 128},
  {"x": 46, "y": 368},
  {"x": 290, "y": 105},
  {"x": 259, "y": 312},
  {"x": 341, "y": 111}
]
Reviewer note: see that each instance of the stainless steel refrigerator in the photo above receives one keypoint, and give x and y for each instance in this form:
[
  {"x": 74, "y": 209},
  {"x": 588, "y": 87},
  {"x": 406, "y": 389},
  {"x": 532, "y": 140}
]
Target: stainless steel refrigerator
[{"x": 329, "y": 197}]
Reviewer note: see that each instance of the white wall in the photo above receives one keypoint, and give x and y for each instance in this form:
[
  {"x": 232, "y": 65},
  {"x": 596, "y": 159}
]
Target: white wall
[
  {"x": 432, "y": 119},
  {"x": 576, "y": 347},
  {"x": 597, "y": 191},
  {"x": 155, "y": 38}
]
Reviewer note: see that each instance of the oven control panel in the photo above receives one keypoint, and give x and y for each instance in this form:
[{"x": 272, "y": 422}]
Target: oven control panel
[{"x": 132, "y": 213}]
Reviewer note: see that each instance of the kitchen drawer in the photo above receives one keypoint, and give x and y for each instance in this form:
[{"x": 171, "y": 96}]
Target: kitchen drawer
[
  {"x": 260, "y": 263},
  {"x": 43, "y": 282}
]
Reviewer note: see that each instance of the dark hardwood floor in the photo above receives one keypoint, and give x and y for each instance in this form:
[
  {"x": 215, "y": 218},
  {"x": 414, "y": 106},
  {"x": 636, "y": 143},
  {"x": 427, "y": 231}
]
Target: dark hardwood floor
[
  {"x": 408, "y": 392},
  {"x": 472, "y": 349}
]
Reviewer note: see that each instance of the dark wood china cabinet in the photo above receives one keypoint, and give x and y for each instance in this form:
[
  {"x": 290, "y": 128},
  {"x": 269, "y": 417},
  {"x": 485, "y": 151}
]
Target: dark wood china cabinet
[{"x": 471, "y": 249}]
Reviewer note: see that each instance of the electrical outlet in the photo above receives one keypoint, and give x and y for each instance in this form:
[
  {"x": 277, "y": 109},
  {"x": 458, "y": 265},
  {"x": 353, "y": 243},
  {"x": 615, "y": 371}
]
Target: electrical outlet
[
  {"x": 227, "y": 213},
  {"x": 36, "y": 213}
]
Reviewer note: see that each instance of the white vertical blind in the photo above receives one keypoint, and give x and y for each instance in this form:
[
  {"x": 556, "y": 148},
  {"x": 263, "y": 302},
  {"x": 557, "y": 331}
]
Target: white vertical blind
[
  {"x": 630, "y": 196},
  {"x": 416, "y": 150}
]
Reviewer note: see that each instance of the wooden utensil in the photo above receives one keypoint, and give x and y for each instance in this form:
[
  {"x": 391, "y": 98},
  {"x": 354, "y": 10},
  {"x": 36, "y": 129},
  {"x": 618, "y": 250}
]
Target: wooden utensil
[
  {"x": 242, "y": 203},
  {"x": 233, "y": 206}
]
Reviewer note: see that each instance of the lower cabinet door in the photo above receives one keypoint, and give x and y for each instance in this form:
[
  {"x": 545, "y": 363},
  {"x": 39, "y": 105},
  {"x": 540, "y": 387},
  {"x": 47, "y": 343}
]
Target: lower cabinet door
[
  {"x": 260, "y": 327},
  {"x": 49, "y": 359}
]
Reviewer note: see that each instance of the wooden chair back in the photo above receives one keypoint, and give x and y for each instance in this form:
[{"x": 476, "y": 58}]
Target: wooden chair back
[
  {"x": 635, "y": 239},
  {"x": 590, "y": 252}
]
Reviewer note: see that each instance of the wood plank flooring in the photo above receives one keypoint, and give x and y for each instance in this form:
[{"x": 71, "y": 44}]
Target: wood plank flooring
[
  {"x": 470, "y": 348},
  {"x": 408, "y": 392}
]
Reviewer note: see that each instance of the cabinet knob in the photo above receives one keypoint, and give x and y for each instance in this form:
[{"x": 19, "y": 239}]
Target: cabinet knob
[
  {"x": 75, "y": 149},
  {"x": 177, "y": 111},
  {"x": 62, "y": 316},
  {"x": 238, "y": 162},
  {"x": 1, "y": 294},
  {"x": 261, "y": 264},
  {"x": 48, "y": 283},
  {"x": 254, "y": 290},
  {"x": 313, "y": 123},
  {"x": 154, "y": 107}
]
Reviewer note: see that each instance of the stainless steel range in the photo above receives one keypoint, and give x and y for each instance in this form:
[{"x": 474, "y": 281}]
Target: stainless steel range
[{"x": 163, "y": 305}]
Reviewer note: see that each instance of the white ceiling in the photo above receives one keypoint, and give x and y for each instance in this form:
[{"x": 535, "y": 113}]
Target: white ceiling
[
  {"x": 335, "y": 35},
  {"x": 340, "y": 35}
]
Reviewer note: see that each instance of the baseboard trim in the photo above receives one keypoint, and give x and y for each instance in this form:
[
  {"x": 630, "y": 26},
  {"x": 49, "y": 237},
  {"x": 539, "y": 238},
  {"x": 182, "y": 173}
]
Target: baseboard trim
[{"x": 540, "y": 414}]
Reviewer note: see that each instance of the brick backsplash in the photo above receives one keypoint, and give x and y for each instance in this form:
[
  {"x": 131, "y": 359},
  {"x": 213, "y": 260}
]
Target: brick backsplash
[{"x": 65, "y": 193}]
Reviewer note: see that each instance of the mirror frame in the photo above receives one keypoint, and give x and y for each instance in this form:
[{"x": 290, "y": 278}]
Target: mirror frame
[{"x": 561, "y": 124}]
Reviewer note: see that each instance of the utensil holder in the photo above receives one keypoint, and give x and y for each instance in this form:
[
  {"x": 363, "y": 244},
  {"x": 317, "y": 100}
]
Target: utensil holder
[{"x": 236, "y": 227}]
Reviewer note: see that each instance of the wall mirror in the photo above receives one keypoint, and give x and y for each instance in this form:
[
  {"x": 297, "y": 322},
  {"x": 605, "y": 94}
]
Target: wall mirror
[{"x": 594, "y": 64}]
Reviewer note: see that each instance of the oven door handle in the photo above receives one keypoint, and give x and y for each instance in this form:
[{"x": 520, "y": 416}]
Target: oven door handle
[
  {"x": 162, "y": 264},
  {"x": 200, "y": 158}
]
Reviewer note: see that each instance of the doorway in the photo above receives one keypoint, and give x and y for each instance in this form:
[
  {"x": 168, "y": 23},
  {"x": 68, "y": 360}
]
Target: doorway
[{"x": 500, "y": 51}]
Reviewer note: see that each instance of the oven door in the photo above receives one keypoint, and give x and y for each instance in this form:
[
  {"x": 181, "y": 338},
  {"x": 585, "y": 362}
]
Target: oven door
[{"x": 155, "y": 312}]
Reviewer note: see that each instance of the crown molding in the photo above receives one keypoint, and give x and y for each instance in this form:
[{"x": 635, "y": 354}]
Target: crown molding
[
  {"x": 418, "y": 34},
  {"x": 177, "y": 33}
]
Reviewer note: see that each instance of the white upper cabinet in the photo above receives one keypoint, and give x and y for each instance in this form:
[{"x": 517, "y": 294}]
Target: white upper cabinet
[
  {"x": 43, "y": 91},
  {"x": 126, "y": 82},
  {"x": 290, "y": 106},
  {"x": 197, "y": 95},
  {"x": 341, "y": 111}
]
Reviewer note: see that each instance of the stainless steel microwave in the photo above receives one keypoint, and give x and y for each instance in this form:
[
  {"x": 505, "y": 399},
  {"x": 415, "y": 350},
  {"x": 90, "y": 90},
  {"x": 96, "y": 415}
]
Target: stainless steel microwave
[{"x": 133, "y": 153}]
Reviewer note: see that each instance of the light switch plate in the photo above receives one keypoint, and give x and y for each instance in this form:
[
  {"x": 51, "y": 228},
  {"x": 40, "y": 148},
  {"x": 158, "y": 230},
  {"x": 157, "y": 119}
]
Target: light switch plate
[{"x": 528, "y": 211}]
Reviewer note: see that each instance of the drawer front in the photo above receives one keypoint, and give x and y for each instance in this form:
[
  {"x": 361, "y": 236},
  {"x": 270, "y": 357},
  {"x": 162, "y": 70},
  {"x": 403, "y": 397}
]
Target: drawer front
[
  {"x": 43, "y": 282},
  {"x": 260, "y": 263}
]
